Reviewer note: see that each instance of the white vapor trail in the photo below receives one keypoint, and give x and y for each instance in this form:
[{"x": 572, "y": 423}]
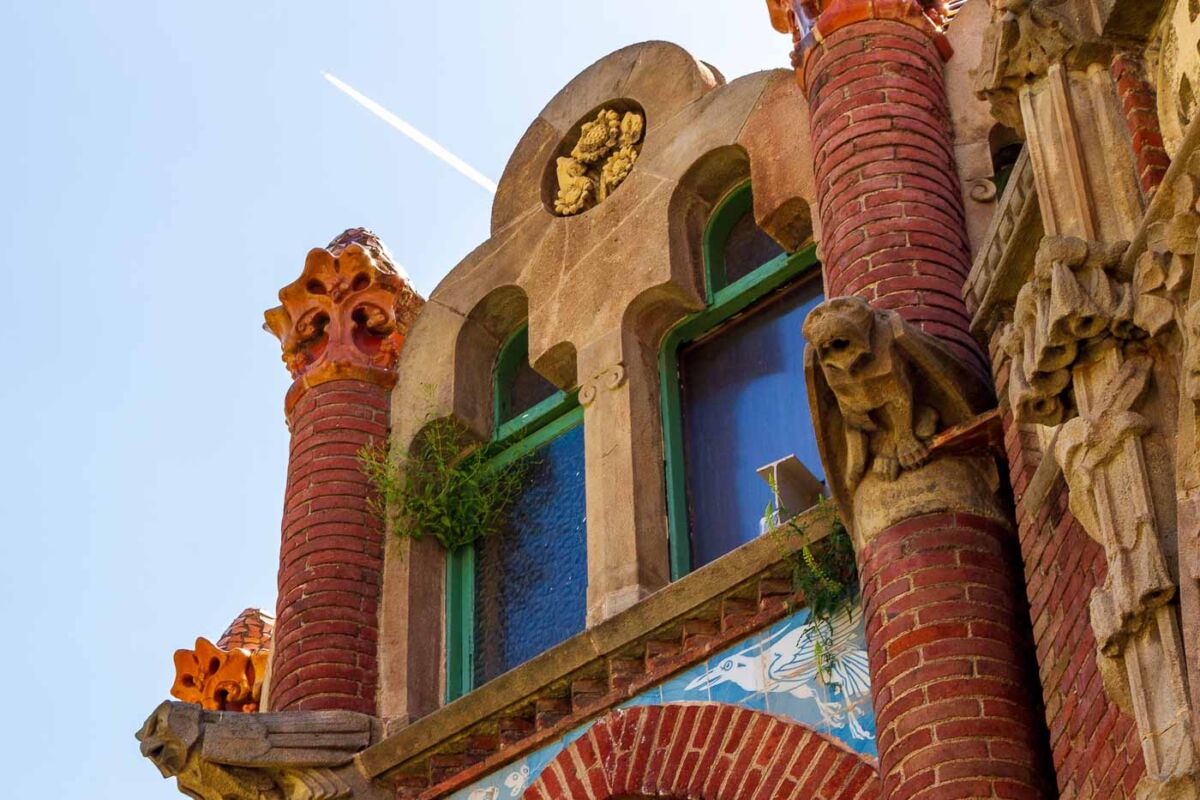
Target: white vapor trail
[{"x": 408, "y": 130}]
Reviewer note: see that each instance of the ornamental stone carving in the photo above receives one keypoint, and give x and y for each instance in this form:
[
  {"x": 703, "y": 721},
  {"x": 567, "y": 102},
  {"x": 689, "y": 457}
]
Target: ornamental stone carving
[
  {"x": 1074, "y": 298},
  {"x": 290, "y": 756},
  {"x": 1178, "y": 72},
  {"x": 1111, "y": 506},
  {"x": 1024, "y": 39},
  {"x": 879, "y": 390},
  {"x": 219, "y": 680},
  {"x": 600, "y": 160},
  {"x": 349, "y": 309}
]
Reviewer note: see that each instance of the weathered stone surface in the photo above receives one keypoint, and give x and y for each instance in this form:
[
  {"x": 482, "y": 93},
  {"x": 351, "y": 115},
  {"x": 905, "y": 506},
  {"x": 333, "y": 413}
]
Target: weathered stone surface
[{"x": 232, "y": 756}]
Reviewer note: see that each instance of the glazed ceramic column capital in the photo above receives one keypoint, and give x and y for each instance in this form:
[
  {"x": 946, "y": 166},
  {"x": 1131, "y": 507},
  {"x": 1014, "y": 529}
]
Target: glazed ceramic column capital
[
  {"x": 346, "y": 316},
  {"x": 811, "y": 22}
]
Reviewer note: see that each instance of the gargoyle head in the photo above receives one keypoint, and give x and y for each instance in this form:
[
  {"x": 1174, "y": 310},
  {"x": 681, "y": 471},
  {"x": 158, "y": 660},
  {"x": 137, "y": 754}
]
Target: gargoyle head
[
  {"x": 840, "y": 330},
  {"x": 169, "y": 735}
]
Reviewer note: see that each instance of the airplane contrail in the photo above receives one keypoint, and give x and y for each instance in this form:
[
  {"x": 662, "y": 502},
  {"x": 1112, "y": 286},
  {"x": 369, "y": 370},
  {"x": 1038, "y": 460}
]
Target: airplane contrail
[{"x": 408, "y": 130}]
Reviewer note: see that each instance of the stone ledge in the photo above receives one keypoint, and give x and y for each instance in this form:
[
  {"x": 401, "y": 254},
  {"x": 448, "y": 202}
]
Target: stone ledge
[{"x": 590, "y": 673}]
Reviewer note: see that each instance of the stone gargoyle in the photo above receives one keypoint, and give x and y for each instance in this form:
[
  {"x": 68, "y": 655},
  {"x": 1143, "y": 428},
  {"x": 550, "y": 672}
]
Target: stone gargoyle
[
  {"x": 879, "y": 390},
  {"x": 296, "y": 755}
]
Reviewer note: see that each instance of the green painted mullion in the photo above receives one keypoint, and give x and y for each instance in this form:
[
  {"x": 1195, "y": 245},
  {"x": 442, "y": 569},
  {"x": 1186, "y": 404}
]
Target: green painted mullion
[{"x": 460, "y": 621}]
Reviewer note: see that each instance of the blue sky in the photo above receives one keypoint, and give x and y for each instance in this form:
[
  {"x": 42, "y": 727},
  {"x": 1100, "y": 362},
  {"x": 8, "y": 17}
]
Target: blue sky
[{"x": 166, "y": 165}]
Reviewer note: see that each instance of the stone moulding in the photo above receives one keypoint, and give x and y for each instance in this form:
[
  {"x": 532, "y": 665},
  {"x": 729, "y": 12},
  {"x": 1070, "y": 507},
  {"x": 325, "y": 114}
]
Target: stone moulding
[
  {"x": 1005, "y": 258},
  {"x": 594, "y": 671},
  {"x": 290, "y": 756}
]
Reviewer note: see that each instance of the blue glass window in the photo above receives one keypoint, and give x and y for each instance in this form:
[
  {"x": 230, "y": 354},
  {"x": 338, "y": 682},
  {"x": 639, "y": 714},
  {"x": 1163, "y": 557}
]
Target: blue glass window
[
  {"x": 733, "y": 387},
  {"x": 531, "y": 578},
  {"x": 744, "y": 405},
  {"x": 523, "y": 589}
]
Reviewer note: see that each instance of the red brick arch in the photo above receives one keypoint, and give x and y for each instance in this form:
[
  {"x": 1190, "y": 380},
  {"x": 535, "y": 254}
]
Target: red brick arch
[{"x": 704, "y": 750}]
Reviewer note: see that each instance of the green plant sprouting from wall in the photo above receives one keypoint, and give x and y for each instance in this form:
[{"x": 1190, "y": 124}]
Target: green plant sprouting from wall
[
  {"x": 446, "y": 487},
  {"x": 823, "y": 572}
]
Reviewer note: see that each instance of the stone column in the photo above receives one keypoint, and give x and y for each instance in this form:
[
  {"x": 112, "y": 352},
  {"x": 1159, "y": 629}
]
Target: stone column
[
  {"x": 341, "y": 324},
  {"x": 947, "y": 636},
  {"x": 1091, "y": 346},
  {"x": 627, "y": 553}
]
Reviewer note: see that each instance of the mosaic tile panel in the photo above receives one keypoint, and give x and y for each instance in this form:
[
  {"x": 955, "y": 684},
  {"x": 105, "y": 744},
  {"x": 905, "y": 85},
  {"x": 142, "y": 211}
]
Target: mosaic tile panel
[{"x": 775, "y": 670}]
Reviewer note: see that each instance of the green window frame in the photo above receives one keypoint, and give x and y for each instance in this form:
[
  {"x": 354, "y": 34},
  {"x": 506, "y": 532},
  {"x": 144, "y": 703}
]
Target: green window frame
[
  {"x": 725, "y": 301},
  {"x": 517, "y": 436}
]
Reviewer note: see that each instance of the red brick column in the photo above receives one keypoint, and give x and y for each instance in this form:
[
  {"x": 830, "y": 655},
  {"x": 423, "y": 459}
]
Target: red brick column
[
  {"x": 341, "y": 325},
  {"x": 1141, "y": 117},
  {"x": 957, "y": 713},
  {"x": 892, "y": 221},
  {"x": 948, "y": 655}
]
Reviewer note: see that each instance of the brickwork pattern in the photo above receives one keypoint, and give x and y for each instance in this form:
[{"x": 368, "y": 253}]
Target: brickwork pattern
[
  {"x": 251, "y": 631},
  {"x": 709, "y": 750},
  {"x": 891, "y": 209},
  {"x": 1141, "y": 116},
  {"x": 955, "y": 711},
  {"x": 331, "y": 558},
  {"x": 1094, "y": 745}
]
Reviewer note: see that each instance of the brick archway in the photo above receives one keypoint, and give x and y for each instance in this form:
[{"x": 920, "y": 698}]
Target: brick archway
[{"x": 704, "y": 750}]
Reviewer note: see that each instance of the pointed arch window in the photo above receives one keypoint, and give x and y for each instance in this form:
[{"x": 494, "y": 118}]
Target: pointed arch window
[
  {"x": 522, "y": 590},
  {"x": 733, "y": 388}
]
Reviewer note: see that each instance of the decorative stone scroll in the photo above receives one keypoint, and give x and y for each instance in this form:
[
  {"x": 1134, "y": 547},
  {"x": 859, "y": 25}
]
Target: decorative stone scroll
[
  {"x": 880, "y": 389},
  {"x": 603, "y": 157},
  {"x": 298, "y": 755},
  {"x": 219, "y": 680},
  {"x": 348, "y": 310}
]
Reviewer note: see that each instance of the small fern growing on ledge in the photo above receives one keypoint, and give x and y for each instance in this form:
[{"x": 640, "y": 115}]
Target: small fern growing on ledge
[
  {"x": 445, "y": 488},
  {"x": 824, "y": 572}
]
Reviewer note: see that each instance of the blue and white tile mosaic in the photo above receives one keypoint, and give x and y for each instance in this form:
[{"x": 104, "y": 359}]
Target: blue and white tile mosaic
[{"x": 775, "y": 670}]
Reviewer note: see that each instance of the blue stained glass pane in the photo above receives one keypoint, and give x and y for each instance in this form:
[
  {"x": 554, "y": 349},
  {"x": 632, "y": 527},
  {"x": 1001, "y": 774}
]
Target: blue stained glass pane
[
  {"x": 531, "y": 577},
  {"x": 744, "y": 405}
]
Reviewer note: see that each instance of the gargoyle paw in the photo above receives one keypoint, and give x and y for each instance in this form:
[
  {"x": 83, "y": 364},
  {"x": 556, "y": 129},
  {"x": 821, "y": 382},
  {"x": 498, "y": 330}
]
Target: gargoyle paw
[
  {"x": 912, "y": 453},
  {"x": 886, "y": 467}
]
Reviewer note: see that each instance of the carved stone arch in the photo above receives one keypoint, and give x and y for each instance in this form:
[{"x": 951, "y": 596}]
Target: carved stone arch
[{"x": 704, "y": 750}]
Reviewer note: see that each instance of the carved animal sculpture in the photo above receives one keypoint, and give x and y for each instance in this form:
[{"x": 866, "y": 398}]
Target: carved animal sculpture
[{"x": 873, "y": 386}]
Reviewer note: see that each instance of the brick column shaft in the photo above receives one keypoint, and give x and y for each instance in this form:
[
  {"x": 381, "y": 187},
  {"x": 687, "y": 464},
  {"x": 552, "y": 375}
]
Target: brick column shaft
[
  {"x": 953, "y": 705},
  {"x": 957, "y": 715},
  {"x": 331, "y": 558},
  {"x": 893, "y": 227}
]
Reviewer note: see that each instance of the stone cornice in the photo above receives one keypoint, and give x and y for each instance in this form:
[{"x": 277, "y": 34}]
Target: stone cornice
[{"x": 596, "y": 670}]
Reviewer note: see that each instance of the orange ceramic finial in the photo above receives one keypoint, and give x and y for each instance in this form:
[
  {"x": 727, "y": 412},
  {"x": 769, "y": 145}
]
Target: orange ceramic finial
[
  {"x": 219, "y": 680},
  {"x": 346, "y": 315},
  {"x": 812, "y": 21}
]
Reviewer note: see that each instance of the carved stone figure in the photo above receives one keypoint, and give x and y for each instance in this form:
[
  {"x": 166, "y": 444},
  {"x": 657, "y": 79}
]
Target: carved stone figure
[
  {"x": 227, "y": 756},
  {"x": 575, "y": 188},
  {"x": 880, "y": 389},
  {"x": 601, "y": 159}
]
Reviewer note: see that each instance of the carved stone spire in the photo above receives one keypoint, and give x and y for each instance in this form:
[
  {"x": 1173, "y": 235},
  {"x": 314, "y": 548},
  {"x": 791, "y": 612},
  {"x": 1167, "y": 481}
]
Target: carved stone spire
[{"x": 347, "y": 313}]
